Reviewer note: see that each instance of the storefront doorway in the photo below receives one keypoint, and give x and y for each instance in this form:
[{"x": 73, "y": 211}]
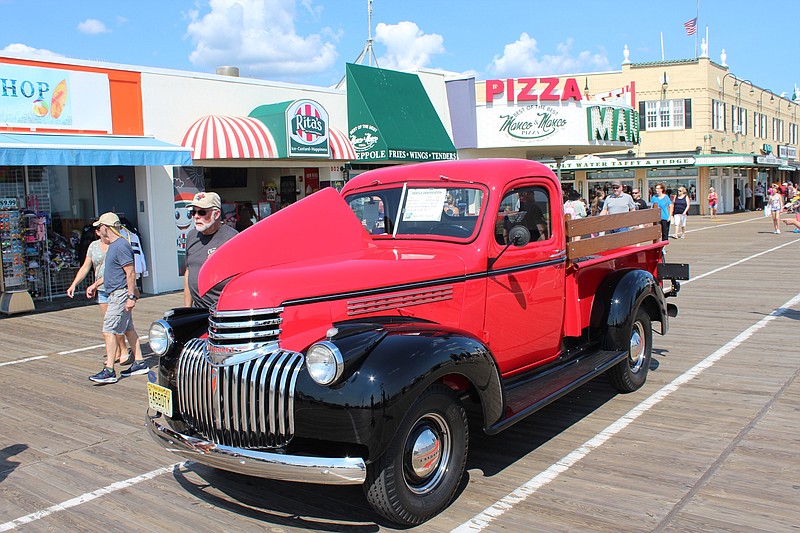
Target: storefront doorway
[{"x": 116, "y": 191}]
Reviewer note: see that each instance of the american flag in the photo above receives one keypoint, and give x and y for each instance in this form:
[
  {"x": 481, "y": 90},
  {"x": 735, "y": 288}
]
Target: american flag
[{"x": 691, "y": 26}]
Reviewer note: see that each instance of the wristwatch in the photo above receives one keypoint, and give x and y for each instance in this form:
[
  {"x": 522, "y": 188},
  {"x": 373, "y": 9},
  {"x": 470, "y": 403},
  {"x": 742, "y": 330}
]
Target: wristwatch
[{"x": 131, "y": 297}]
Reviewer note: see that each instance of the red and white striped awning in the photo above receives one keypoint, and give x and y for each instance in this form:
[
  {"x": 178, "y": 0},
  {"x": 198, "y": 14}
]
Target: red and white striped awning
[
  {"x": 341, "y": 147},
  {"x": 227, "y": 137}
]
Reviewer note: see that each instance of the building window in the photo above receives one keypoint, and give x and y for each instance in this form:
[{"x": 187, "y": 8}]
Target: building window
[
  {"x": 665, "y": 114},
  {"x": 718, "y": 115},
  {"x": 761, "y": 130},
  {"x": 792, "y": 133},
  {"x": 777, "y": 130}
]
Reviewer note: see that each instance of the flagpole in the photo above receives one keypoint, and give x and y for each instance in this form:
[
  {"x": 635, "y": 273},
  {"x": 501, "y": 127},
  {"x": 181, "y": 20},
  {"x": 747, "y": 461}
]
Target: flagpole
[
  {"x": 662, "y": 46},
  {"x": 695, "y": 33}
]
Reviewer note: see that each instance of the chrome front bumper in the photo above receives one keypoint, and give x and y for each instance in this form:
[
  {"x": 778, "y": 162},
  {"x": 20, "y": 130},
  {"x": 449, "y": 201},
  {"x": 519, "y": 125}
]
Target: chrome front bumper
[{"x": 323, "y": 470}]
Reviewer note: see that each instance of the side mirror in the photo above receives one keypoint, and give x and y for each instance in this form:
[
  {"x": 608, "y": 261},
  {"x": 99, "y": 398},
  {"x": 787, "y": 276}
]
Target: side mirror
[{"x": 519, "y": 236}]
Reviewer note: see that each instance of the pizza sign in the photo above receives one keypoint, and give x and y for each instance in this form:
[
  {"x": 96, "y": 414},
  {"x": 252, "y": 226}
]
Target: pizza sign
[{"x": 307, "y": 129}]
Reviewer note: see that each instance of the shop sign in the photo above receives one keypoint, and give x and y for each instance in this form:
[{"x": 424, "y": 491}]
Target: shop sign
[
  {"x": 370, "y": 146},
  {"x": 787, "y": 152},
  {"x": 613, "y": 124},
  {"x": 533, "y": 122},
  {"x": 32, "y": 97},
  {"x": 592, "y": 163},
  {"x": 771, "y": 160},
  {"x": 307, "y": 129},
  {"x": 533, "y": 90}
]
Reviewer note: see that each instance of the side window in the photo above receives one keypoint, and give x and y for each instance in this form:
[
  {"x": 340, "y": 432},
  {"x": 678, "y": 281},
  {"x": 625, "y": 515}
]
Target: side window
[{"x": 526, "y": 206}]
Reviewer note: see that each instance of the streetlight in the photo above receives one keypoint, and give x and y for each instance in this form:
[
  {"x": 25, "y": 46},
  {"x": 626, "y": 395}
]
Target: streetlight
[
  {"x": 664, "y": 85},
  {"x": 739, "y": 91},
  {"x": 735, "y": 83},
  {"x": 761, "y": 96}
]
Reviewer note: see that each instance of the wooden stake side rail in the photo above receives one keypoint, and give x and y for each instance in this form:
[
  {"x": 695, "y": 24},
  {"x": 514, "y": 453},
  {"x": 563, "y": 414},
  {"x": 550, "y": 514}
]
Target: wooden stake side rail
[{"x": 585, "y": 227}]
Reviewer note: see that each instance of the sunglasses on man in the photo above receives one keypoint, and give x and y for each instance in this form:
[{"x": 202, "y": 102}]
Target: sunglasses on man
[{"x": 198, "y": 212}]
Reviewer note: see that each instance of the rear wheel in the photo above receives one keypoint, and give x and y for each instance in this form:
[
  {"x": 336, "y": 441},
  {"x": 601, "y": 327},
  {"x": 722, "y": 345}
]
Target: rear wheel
[
  {"x": 417, "y": 476},
  {"x": 630, "y": 373}
]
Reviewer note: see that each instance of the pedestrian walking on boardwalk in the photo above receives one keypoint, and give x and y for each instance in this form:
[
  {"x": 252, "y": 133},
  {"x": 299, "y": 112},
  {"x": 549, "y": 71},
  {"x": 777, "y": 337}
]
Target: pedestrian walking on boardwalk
[
  {"x": 119, "y": 278},
  {"x": 776, "y": 206},
  {"x": 680, "y": 212},
  {"x": 663, "y": 202},
  {"x": 713, "y": 199}
]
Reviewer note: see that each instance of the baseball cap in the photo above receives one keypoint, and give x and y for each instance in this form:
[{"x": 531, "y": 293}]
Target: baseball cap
[
  {"x": 616, "y": 184},
  {"x": 205, "y": 200},
  {"x": 107, "y": 219}
]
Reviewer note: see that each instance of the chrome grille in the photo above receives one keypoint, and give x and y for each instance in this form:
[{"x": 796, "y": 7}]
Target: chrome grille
[
  {"x": 246, "y": 402},
  {"x": 241, "y": 331}
]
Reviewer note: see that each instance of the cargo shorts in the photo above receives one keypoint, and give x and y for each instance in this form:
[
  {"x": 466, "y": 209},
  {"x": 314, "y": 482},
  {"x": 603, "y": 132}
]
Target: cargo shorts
[{"x": 117, "y": 320}]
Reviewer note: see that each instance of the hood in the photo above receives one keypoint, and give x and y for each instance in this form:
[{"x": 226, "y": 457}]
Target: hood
[
  {"x": 319, "y": 225},
  {"x": 351, "y": 274}
]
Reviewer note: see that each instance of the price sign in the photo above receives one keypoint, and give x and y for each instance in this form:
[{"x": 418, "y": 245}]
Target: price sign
[{"x": 8, "y": 203}]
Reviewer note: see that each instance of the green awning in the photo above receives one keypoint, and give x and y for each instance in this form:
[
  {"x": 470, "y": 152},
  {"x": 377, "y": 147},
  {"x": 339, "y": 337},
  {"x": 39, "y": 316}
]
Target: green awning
[{"x": 391, "y": 117}]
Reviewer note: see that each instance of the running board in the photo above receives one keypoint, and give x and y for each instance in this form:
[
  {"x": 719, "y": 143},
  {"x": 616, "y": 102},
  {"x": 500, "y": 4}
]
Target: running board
[{"x": 528, "y": 396}]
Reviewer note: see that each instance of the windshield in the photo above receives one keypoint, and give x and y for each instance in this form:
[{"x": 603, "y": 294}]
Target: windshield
[{"x": 409, "y": 210}]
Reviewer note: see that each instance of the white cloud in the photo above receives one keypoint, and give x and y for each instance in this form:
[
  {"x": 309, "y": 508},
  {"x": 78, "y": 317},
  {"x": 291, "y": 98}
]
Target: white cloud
[
  {"x": 522, "y": 58},
  {"x": 258, "y": 36},
  {"x": 407, "y": 47},
  {"x": 92, "y": 27},
  {"x": 25, "y": 50}
]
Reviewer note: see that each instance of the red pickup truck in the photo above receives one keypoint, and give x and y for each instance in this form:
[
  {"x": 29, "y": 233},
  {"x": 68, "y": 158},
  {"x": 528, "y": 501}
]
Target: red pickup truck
[{"x": 353, "y": 328}]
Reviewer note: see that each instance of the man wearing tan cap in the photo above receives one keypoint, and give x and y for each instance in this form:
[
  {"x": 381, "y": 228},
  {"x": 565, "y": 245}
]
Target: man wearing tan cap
[
  {"x": 119, "y": 278},
  {"x": 205, "y": 211}
]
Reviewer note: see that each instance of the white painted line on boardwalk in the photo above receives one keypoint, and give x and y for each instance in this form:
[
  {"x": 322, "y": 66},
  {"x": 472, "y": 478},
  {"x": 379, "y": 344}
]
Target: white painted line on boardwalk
[
  {"x": 89, "y": 496},
  {"x": 483, "y": 519},
  {"x": 726, "y": 224},
  {"x": 739, "y": 262},
  {"x": 96, "y": 346},
  {"x": 77, "y": 350},
  {"x": 24, "y": 360}
]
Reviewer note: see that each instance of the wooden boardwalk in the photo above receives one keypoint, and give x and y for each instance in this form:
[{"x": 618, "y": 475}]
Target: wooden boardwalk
[{"x": 711, "y": 443}]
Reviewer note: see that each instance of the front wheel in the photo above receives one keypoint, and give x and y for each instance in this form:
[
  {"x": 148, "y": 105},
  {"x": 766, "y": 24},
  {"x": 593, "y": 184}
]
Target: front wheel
[
  {"x": 630, "y": 374},
  {"x": 418, "y": 475}
]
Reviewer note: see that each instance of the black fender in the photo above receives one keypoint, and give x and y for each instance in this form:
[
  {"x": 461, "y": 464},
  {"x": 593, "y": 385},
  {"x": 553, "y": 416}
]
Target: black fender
[
  {"x": 617, "y": 298},
  {"x": 386, "y": 368}
]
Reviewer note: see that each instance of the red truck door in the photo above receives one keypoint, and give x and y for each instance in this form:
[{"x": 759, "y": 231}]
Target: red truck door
[{"x": 525, "y": 289}]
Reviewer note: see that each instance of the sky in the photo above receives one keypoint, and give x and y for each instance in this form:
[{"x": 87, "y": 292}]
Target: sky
[{"x": 309, "y": 41}]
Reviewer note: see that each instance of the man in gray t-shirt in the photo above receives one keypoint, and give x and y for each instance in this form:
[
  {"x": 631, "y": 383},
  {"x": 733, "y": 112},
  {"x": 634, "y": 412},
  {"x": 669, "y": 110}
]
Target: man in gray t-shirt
[
  {"x": 209, "y": 233},
  {"x": 618, "y": 201}
]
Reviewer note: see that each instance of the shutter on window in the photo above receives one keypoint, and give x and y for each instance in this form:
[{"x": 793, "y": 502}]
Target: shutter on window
[
  {"x": 687, "y": 113},
  {"x": 724, "y": 117},
  {"x": 642, "y": 117}
]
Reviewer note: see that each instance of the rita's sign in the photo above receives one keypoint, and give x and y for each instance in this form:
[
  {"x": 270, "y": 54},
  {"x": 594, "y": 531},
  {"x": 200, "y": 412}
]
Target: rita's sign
[{"x": 307, "y": 128}]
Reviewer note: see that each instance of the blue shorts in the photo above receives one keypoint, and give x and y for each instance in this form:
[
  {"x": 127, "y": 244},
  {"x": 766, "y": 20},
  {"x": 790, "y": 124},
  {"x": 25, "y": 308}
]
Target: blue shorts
[{"x": 102, "y": 297}]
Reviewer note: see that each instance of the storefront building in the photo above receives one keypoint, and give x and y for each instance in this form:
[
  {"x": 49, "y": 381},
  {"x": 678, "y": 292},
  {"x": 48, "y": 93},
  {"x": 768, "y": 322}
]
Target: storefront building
[
  {"x": 140, "y": 142},
  {"x": 700, "y": 126},
  {"x": 72, "y": 145}
]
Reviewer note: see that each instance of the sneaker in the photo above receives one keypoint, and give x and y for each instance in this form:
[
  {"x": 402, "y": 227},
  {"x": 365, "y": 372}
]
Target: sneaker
[
  {"x": 139, "y": 367},
  {"x": 107, "y": 375},
  {"x": 777, "y": 232}
]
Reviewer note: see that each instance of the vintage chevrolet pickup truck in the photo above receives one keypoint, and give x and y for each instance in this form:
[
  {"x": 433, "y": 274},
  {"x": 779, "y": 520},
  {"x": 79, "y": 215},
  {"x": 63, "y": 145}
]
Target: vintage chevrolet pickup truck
[{"x": 354, "y": 328}]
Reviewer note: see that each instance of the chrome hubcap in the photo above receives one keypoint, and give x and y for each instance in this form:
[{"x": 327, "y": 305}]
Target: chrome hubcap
[
  {"x": 427, "y": 452},
  {"x": 637, "y": 347}
]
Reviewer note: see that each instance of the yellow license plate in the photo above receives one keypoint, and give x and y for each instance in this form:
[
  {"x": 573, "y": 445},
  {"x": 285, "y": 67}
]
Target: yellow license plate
[{"x": 160, "y": 399}]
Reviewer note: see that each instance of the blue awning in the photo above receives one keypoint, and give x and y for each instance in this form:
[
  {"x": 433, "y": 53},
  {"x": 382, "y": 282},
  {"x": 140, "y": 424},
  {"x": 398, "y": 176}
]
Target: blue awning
[{"x": 24, "y": 149}]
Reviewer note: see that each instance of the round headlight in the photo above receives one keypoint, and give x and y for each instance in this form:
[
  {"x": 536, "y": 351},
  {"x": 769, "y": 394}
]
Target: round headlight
[
  {"x": 161, "y": 337},
  {"x": 324, "y": 362}
]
